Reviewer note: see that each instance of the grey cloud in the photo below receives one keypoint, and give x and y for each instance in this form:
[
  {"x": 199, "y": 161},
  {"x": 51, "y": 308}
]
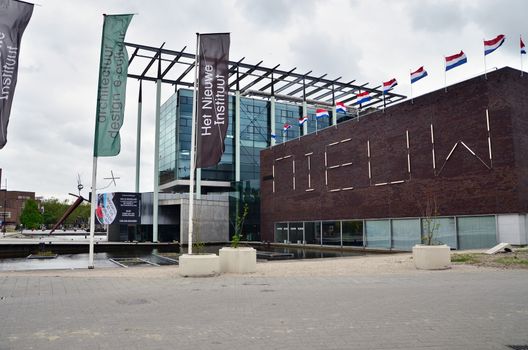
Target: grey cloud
[
  {"x": 436, "y": 16},
  {"x": 275, "y": 14}
]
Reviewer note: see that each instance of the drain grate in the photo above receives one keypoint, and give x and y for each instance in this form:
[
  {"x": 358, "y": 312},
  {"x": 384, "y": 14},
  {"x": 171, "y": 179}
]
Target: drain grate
[
  {"x": 130, "y": 262},
  {"x": 518, "y": 347}
]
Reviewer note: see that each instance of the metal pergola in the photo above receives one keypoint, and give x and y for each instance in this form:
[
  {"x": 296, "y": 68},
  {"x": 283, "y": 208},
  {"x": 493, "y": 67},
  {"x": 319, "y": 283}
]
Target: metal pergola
[{"x": 149, "y": 63}]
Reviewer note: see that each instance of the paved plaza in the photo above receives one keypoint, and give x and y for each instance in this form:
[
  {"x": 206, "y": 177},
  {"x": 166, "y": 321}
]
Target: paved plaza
[{"x": 335, "y": 304}]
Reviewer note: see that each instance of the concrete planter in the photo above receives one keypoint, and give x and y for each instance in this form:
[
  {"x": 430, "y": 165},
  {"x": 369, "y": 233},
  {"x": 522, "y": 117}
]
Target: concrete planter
[
  {"x": 199, "y": 265},
  {"x": 238, "y": 260},
  {"x": 431, "y": 257}
]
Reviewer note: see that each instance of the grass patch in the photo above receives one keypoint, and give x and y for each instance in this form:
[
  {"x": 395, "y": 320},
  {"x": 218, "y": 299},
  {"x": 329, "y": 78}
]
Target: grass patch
[
  {"x": 465, "y": 258},
  {"x": 514, "y": 260},
  {"x": 45, "y": 253}
]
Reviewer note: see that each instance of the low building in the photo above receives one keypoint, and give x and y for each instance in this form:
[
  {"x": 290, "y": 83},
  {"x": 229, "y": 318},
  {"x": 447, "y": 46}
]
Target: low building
[
  {"x": 457, "y": 158},
  {"x": 11, "y": 205}
]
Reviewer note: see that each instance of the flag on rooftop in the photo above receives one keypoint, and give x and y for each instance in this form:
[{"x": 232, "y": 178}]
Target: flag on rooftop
[
  {"x": 302, "y": 120},
  {"x": 493, "y": 44},
  {"x": 418, "y": 74},
  {"x": 340, "y": 107},
  {"x": 321, "y": 113},
  {"x": 286, "y": 127},
  {"x": 362, "y": 97},
  {"x": 523, "y": 48},
  {"x": 389, "y": 85},
  {"x": 455, "y": 60}
]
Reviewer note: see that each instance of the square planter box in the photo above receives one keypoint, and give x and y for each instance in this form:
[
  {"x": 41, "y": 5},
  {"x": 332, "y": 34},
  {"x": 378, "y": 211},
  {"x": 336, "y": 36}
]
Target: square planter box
[
  {"x": 199, "y": 265},
  {"x": 431, "y": 257},
  {"x": 238, "y": 260}
]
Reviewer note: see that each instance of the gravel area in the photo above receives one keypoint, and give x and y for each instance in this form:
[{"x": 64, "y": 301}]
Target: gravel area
[{"x": 343, "y": 266}]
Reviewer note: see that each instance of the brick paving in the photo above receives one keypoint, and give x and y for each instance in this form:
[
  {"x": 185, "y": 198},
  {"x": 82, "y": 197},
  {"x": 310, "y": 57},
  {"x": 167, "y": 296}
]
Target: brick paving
[{"x": 154, "y": 308}]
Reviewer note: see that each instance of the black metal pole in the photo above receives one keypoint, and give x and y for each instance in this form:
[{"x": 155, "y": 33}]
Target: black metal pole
[{"x": 5, "y": 204}]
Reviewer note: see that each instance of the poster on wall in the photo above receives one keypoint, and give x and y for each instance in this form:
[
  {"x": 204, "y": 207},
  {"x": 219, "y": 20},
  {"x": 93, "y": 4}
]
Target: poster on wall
[{"x": 118, "y": 208}]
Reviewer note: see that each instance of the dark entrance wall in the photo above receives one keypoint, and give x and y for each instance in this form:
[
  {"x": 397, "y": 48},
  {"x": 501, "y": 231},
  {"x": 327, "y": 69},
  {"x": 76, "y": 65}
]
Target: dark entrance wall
[{"x": 464, "y": 181}]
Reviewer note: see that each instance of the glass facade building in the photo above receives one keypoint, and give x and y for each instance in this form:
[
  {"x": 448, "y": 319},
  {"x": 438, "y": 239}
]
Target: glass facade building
[
  {"x": 462, "y": 232},
  {"x": 255, "y": 135}
]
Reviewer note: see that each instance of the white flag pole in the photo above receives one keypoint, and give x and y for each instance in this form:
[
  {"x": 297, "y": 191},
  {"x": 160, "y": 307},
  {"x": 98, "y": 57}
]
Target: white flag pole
[
  {"x": 383, "y": 94},
  {"x": 445, "y": 74},
  {"x": 193, "y": 145},
  {"x": 93, "y": 206},
  {"x": 485, "y": 70},
  {"x": 520, "y": 53},
  {"x": 300, "y": 127},
  {"x": 410, "y": 76}
]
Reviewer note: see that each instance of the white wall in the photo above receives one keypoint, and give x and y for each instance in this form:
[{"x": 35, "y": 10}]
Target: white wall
[{"x": 512, "y": 228}]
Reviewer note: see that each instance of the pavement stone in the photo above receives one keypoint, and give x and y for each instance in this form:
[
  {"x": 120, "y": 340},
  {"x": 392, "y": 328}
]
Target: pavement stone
[{"x": 476, "y": 309}]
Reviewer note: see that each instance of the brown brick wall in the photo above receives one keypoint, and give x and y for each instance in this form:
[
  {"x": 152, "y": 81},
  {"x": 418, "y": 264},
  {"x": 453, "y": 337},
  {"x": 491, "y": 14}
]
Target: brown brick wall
[{"x": 462, "y": 185}]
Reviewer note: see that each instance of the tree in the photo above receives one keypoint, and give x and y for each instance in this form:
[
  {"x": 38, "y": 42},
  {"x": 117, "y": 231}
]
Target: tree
[
  {"x": 31, "y": 217},
  {"x": 53, "y": 210},
  {"x": 80, "y": 216}
]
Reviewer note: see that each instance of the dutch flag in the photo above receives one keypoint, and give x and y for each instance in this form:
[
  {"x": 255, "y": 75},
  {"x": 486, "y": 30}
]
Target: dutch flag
[
  {"x": 493, "y": 44},
  {"x": 388, "y": 85},
  {"x": 321, "y": 113},
  {"x": 418, "y": 74},
  {"x": 362, "y": 97},
  {"x": 303, "y": 120},
  {"x": 286, "y": 127},
  {"x": 273, "y": 136},
  {"x": 455, "y": 60},
  {"x": 340, "y": 107},
  {"x": 523, "y": 49}
]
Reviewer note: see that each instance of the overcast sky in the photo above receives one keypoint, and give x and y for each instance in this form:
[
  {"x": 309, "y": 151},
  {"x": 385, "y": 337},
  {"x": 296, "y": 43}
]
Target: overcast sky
[{"x": 51, "y": 129}]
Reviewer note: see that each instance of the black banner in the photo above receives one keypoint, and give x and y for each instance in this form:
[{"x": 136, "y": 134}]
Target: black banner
[
  {"x": 14, "y": 17},
  {"x": 212, "y": 112},
  {"x": 118, "y": 207}
]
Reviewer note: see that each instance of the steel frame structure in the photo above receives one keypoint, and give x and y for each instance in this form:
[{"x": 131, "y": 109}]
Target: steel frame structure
[{"x": 174, "y": 68}]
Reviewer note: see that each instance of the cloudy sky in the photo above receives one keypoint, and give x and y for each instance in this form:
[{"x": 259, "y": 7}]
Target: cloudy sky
[{"x": 50, "y": 134}]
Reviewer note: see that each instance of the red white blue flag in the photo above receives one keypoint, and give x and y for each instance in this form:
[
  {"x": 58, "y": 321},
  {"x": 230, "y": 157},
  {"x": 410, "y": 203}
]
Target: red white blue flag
[
  {"x": 286, "y": 127},
  {"x": 523, "y": 48},
  {"x": 303, "y": 120},
  {"x": 340, "y": 107},
  {"x": 455, "y": 60},
  {"x": 321, "y": 113},
  {"x": 493, "y": 44},
  {"x": 389, "y": 85},
  {"x": 418, "y": 74},
  {"x": 362, "y": 97}
]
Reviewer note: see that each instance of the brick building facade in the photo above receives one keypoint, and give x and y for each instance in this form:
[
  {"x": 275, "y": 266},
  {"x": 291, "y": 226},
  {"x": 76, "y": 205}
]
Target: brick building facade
[
  {"x": 12, "y": 203},
  {"x": 463, "y": 151}
]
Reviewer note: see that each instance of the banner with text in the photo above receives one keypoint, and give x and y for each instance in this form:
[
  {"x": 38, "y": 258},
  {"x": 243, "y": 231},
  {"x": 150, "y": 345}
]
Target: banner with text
[
  {"x": 118, "y": 208},
  {"x": 212, "y": 112},
  {"x": 14, "y": 17},
  {"x": 111, "y": 91}
]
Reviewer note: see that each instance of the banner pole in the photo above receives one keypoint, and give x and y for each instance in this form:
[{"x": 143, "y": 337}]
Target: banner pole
[
  {"x": 93, "y": 206},
  {"x": 193, "y": 145},
  {"x": 138, "y": 135}
]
